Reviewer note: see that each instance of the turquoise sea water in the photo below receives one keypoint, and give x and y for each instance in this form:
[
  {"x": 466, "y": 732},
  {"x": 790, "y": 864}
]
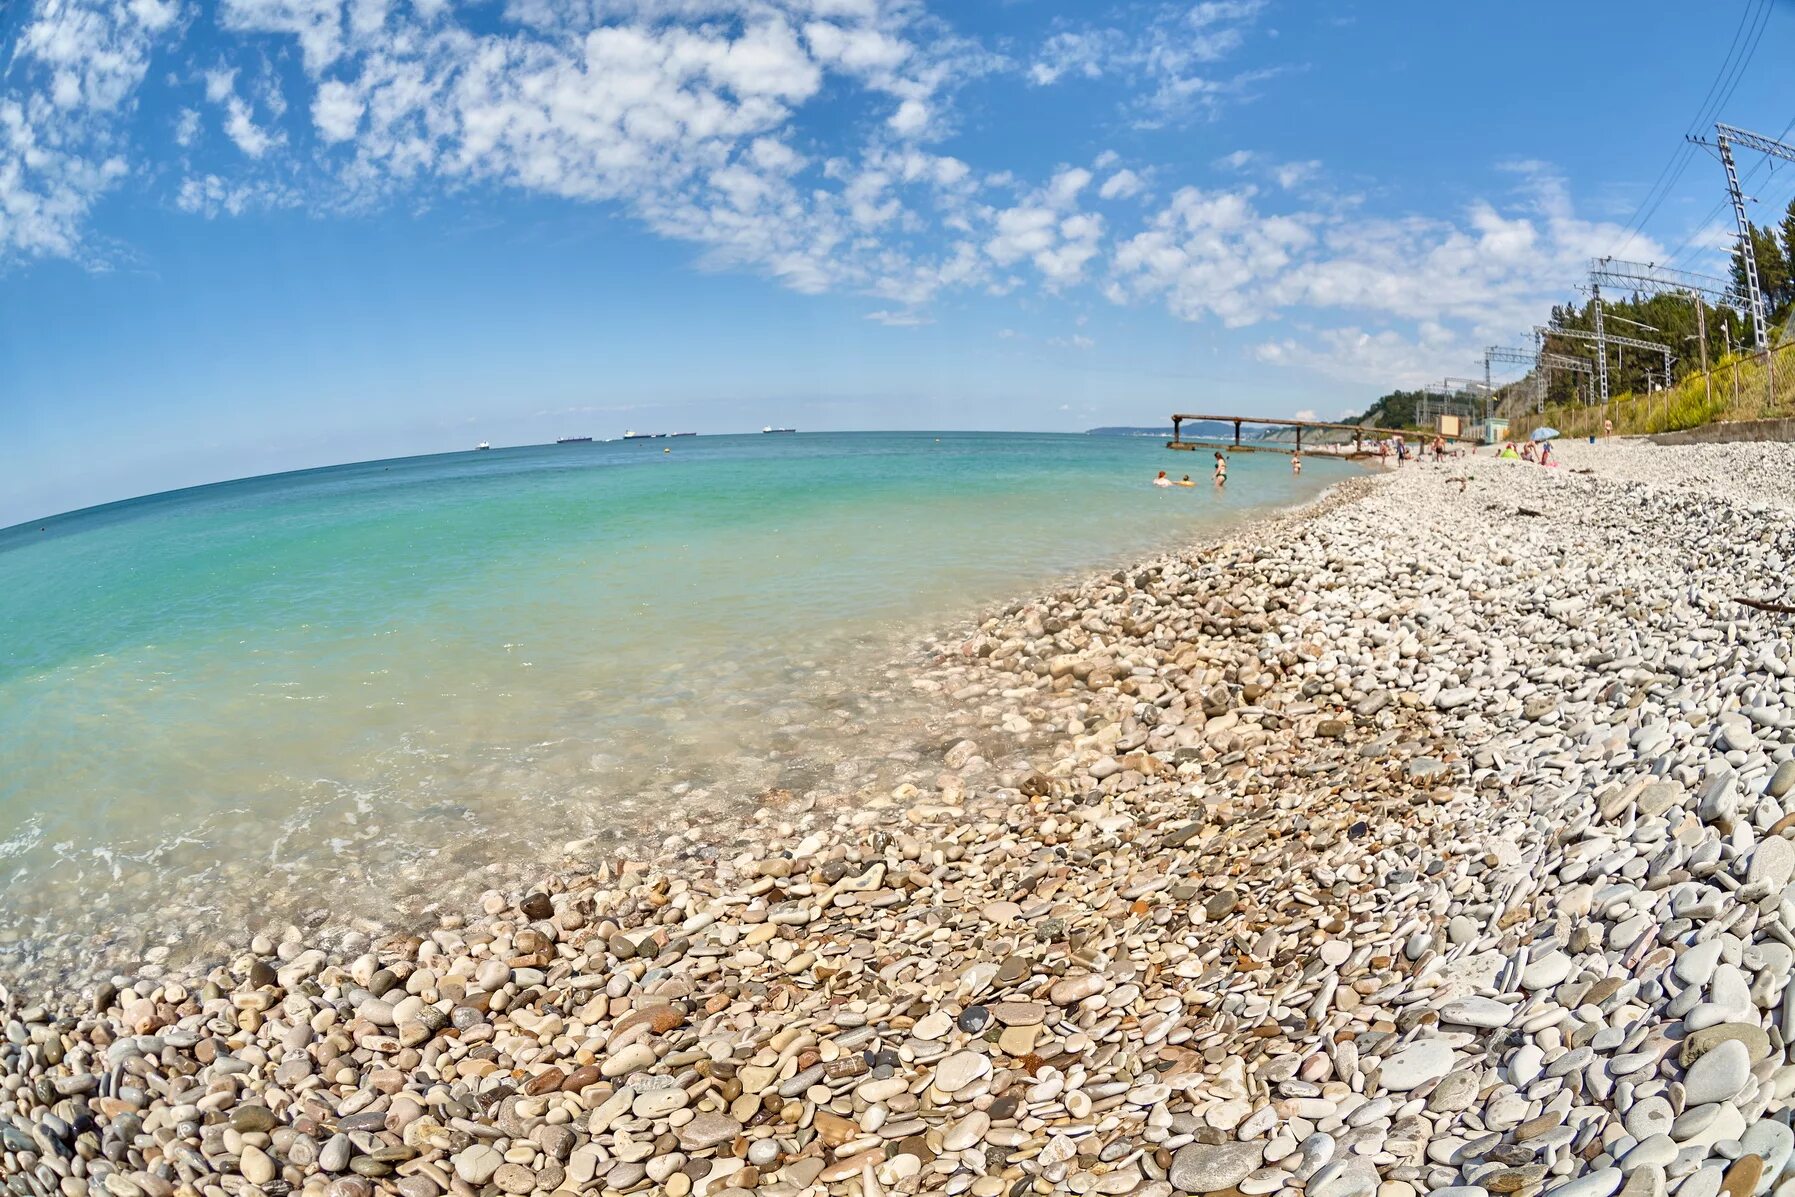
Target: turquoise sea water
[{"x": 359, "y": 689}]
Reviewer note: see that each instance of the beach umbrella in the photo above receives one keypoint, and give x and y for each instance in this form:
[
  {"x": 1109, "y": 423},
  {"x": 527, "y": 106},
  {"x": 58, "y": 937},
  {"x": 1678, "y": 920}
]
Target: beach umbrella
[{"x": 1544, "y": 434}]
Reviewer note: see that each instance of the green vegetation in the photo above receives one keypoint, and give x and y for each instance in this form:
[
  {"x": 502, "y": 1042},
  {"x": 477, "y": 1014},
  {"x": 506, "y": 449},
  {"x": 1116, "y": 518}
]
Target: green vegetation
[
  {"x": 1738, "y": 388},
  {"x": 1395, "y": 410}
]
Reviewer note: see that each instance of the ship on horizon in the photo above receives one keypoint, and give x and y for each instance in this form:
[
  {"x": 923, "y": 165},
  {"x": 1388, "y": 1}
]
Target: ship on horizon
[
  {"x": 770, "y": 428},
  {"x": 573, "y": 440}
]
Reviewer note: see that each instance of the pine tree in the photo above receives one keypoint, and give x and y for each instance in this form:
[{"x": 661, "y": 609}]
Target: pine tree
[{"x": 1775, "y": 278}]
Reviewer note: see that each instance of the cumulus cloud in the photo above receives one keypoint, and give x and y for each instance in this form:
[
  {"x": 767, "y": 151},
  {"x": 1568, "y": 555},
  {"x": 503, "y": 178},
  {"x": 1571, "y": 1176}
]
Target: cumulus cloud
[
  {"x": 697, "y": 119},
  {"x": 1172, "y": 51},
  {"x": 75, "y": 66},
  {"x": 1121, "y": 185}
]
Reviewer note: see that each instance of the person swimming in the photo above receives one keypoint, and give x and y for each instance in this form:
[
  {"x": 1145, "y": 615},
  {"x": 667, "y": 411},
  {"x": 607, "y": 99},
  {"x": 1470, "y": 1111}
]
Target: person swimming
[
  {"x": 1185, "y": 481},
  {"x": 1162, "y": 480}
]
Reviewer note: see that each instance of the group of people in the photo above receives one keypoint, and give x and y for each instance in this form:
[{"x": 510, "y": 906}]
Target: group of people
[
  {"x": 1220, "y": 475},
  {"x": 1404, "y": 453},
  {"x": 1543, "y": 455},
  {"x": 1221, "y": 472}
]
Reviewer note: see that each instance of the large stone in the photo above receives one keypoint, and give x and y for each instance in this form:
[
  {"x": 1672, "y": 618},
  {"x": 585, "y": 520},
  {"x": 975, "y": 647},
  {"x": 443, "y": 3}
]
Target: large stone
[
  {"x": 960, "y": 1070},
  {"x": 708, "y": 1130},
  {"x": 1209, "y": 1168},
  {"x": 1718, "y": 1075},
  {"x": 1415, "y": 1065},
  {"x": 1699, "y": 1043},
  {"x": 1546, "y": 971},
  {"x": 1476, "y": 1012},
  {"x": 1696, "y": 964},
  {"x": 1599, "y": 1183},
  {"x": 476, "y": 1164},
  {"x": 1772, "y": 863},
  {"x": 1352, "y": 1177},
  {"x": 1456, "y": 1091}
]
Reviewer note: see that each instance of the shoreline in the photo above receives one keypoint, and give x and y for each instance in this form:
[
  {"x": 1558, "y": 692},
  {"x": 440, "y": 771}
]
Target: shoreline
[
  {"x": 839, "y": 701},
  {"x": 1342, "y": 852}
]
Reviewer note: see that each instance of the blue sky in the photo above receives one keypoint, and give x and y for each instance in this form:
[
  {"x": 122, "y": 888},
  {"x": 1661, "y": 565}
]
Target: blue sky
[{"x": 251, "y": 235}]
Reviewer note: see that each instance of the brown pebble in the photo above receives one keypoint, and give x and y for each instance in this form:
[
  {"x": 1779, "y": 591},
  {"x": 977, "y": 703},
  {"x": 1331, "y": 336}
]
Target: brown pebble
[{"x": 1742, "y": 1177}]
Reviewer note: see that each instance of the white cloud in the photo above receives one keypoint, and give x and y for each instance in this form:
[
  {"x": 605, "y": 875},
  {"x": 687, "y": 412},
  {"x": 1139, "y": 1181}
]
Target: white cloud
[
  {"x": 1167, "y": 54},
  {"x": 696, "y": 118},
  {"x": 336, "y": 110},
  {"x": 73, "y": 68},
  {"x": 1121, "y": 185},
  {"x": 186, "y": 130},
  {"x": 1075, "y": 341},
  {"x": 905, "y": 319},
  {"x": 1306, "y": 414}
]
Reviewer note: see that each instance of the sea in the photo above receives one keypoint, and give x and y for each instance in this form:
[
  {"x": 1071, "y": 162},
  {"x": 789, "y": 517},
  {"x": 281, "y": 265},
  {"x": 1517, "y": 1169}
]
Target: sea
[{"x": 349, "y": 695}]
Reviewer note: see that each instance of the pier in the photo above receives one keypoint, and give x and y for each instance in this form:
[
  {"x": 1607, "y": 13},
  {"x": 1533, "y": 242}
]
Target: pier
[{"x": 1359, "y": 432}]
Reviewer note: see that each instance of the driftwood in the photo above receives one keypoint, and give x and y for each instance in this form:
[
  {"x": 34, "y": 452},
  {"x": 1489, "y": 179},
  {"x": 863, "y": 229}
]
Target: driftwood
[
  {"x": 1779, "y": 608},
  {"x": 1527, "y": 511}
]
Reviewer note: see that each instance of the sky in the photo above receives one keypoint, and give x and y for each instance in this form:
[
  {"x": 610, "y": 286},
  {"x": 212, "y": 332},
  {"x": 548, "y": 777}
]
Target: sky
[{"x": 240, "y": 236}]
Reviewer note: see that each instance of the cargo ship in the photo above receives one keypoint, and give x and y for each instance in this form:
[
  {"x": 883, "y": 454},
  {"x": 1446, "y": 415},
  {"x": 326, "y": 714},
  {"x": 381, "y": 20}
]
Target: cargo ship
[
  {"x": 573, "y": 440},
  {"x": 642, "y": 436},
  {"x": 770, "y": 428}
]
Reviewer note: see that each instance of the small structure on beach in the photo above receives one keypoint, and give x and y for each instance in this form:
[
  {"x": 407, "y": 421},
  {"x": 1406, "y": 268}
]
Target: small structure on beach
[{"x": 1318, "y": 430}]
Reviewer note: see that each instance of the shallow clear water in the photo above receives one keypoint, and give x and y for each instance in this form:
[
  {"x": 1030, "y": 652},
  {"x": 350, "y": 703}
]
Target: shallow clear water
[{"x": 352, "y": 689}]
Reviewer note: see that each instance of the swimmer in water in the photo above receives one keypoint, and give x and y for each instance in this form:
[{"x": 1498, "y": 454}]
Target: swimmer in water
[
  {"x": 1185, "y": 481},
  {"x": 1162, "y": 480},
  {"x": 1296, "y": 463},
  {"x": 1221, "y": 470}
]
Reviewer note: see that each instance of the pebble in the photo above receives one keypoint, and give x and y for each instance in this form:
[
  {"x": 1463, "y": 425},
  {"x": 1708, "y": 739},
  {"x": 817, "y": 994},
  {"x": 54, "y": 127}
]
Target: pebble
[{"x": 1294, "y": 862}]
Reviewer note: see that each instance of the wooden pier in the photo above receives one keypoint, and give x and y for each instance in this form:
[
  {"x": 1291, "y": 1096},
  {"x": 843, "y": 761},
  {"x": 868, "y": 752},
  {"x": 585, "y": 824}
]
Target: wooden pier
[{"x": 1359, "y": 433}]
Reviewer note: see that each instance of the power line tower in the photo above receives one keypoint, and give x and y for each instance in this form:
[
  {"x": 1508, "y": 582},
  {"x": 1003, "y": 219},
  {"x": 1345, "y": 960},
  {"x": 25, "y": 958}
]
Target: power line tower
[
  {"x": 1561, "y": 361},
  {"x": 1653, "y": 279},
  {"x": 1725, "y": 138},
  {"x": 1518, "y": 357},
  {"x": 1544, "y": 331},
  {"x": 1595, "y": 290}
]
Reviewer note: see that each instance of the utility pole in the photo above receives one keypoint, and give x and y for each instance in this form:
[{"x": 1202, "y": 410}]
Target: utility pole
[
  {"x": 1701, "y": 334},
  {"x": 1658, "y": 280},
  {"x": 1601, "y": 345},
  {"x": 1747, "y": 251},
  {"x": 1725, "y": 137}
]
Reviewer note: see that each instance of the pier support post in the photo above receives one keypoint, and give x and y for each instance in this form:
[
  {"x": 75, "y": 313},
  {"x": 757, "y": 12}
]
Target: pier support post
[
  {"x": 1237, "y": 434},
  {"x": 1177, "y": 425},
  {"x": 1299, "y": 439}
]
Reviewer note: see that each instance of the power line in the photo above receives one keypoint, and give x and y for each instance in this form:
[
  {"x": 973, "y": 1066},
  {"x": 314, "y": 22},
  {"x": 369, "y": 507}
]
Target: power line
[
  {"x": 1686, "y": 251},
  {"x": 1726, "y": 81}
]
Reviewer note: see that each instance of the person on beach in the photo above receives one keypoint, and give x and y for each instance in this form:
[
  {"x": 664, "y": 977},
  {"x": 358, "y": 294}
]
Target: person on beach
[
  {"x": 1162, "y": 480},
  {"x": 1296, "y": 463},
  {"x": 1527, "y": 453},
  {"x": 1607, "y": 427},
  {"x": 1545, "y": 454},
  {"x": 1383, "y": 451},
  {"x": 1221, "y": 470}
]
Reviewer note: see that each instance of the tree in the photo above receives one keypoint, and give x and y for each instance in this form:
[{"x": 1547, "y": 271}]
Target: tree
[{"x": 1775, "y": 278}]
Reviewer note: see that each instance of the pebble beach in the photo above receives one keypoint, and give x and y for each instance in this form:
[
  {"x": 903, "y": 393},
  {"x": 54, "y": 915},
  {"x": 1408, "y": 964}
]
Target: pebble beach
[{"x": 1431, "y": 839}]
